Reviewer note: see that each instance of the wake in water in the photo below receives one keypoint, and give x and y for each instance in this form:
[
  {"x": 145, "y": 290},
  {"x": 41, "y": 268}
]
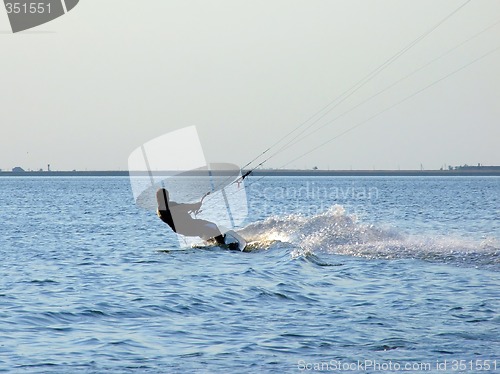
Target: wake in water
[{"x": 336, "y": 232}]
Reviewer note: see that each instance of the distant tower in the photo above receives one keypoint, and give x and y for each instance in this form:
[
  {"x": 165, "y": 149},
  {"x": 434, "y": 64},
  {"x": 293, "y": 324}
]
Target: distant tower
[{"x": 48, "y": 167}]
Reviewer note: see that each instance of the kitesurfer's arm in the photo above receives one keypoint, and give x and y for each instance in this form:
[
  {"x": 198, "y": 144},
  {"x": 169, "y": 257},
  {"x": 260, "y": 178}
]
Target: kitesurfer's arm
[
  {"x": 194, "y": 207},
  {"x": 187, "y": 207}
]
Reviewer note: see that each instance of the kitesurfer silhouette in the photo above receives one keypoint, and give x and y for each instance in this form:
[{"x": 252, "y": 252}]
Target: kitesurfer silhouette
[{"x": 178, "y": 217}]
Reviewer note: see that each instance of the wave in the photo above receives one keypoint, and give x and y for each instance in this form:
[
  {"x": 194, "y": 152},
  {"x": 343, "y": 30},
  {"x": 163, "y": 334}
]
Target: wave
[{"x": 337, "y": 232}]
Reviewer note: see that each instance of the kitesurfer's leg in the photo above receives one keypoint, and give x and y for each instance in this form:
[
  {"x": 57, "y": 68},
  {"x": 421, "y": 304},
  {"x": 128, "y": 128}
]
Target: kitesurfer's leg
[
  {"x": 220, "y": 239},
  {"x": 208, "y": 230}
]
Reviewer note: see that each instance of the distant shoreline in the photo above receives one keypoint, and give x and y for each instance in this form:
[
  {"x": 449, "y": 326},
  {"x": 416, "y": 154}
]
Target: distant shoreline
[{"x": 484, "y": 171}]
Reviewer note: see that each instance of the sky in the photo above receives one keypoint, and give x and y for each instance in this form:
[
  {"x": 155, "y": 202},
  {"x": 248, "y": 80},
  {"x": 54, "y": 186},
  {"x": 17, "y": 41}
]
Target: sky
[{"x": 85, "y": 90}]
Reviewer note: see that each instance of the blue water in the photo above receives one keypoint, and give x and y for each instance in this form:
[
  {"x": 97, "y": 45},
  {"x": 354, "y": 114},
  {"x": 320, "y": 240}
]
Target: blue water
[{"x": 341, "y": 272}]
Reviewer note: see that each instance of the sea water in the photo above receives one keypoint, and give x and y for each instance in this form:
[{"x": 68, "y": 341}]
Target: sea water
[{"x": 359, "y": 274}]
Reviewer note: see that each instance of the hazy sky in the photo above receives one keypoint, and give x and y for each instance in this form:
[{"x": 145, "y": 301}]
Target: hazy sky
[{"x": 85, "y": 90}]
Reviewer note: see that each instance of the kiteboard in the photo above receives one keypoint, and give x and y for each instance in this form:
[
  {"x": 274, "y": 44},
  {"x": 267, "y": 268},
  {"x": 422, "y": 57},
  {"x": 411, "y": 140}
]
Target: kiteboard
[{"x": 233, "y": 240}]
